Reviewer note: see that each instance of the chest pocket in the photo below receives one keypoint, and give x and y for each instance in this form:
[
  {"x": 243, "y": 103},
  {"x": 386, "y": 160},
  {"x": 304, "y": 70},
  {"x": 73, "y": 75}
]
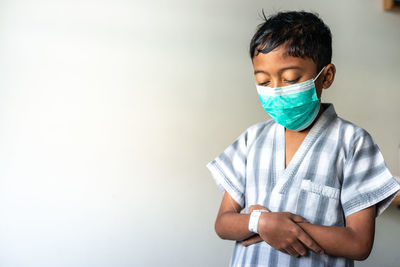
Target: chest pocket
[
  {"x": 319, "y": 189},
  {"x": 321, "y": 203}
]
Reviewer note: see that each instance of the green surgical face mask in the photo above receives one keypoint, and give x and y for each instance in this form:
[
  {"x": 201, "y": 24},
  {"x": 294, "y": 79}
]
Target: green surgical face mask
[{"x": 295, "y": 106}]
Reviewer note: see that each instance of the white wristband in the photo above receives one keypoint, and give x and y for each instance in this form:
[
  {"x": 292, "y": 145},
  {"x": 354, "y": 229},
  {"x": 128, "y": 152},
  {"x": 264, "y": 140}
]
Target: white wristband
[{"x": 254, "y": 218}]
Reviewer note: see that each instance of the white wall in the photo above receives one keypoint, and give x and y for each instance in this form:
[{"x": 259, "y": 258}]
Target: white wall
[{"x": 109, "y": 111}]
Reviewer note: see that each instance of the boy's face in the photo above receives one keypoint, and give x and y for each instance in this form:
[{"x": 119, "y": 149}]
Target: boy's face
[{"x": 277, "y": 69}]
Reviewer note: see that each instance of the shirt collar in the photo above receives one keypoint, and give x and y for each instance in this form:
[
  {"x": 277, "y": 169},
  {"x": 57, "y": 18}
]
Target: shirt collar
[
  {"x": 325, "y": 118},
  {"x": 329, "y": 110}
]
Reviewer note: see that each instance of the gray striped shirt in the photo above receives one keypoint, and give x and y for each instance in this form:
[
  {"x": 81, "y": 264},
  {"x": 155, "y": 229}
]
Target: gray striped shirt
[{"x": 337, "y": 170}]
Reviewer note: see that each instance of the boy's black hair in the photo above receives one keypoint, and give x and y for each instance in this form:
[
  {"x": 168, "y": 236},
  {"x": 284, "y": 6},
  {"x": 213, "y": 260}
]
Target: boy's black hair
[{"x": 305, "y": 34}]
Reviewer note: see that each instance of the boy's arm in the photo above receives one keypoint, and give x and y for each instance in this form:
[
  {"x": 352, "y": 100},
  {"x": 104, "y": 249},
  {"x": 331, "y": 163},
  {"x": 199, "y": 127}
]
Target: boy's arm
[
  {"x": 353, "y": 241},
  {"x": 284, "y": 234}
]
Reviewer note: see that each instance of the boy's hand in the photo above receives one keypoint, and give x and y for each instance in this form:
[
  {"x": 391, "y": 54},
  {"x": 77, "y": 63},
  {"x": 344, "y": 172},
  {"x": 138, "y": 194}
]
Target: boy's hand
[
  {"x": 255, "y": 239},
  {"x": 252, "y": 240},
  {"x": 280, "y": 230}
]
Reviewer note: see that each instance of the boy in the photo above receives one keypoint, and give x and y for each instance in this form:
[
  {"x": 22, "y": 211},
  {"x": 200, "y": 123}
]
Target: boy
[{"x": 309, "y": 182}]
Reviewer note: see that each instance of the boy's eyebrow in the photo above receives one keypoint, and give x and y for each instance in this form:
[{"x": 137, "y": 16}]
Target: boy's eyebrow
[{"x": 281, "y": 70}]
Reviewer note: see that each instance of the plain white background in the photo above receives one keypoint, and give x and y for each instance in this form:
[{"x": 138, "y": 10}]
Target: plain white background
[{"x": 109, "y": 111}]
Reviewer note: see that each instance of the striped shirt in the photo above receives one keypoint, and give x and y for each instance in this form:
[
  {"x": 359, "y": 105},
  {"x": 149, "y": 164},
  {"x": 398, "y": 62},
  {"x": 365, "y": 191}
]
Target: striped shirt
[{"x": 337, "y": 170}]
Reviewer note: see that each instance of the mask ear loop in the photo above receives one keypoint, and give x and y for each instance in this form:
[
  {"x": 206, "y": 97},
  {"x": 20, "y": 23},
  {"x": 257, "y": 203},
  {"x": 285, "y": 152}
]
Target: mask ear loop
[
  {"x": 317, "y": 78},
  {"x": 318, "y": 74}
]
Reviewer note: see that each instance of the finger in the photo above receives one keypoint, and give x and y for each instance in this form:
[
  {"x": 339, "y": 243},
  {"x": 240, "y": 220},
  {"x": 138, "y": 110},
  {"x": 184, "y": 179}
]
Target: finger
[
  {"x": 309, "y": 242},
  {"x": 299, "y": 247},
  {"x": 252, "y": 240},
  {"x": 292, "y": 252},
  {"x": 284, "y": 251},
  {"x": 298, "y": 219}
]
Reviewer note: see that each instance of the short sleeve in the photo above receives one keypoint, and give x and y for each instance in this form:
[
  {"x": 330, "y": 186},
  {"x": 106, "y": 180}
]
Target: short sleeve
[
  {"x": 229, "y": 169},
  {"x": 366, "y": 179}
]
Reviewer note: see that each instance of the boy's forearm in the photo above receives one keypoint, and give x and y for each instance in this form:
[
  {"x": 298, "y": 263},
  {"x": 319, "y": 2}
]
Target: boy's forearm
[
  {"x": 338, "y": 241},
  {"x": 233, "y": 226}
]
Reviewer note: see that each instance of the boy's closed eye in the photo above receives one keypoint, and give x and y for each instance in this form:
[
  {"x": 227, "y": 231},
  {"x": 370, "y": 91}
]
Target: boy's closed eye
[
  {"x": 264, "y": 83},
  {"x": 285, "y": 81},
  {"x": 292, "y": 81}
]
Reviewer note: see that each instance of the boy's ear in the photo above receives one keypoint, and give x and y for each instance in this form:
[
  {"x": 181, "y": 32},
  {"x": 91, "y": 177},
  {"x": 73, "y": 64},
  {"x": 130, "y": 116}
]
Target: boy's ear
[{"x": 329, "y": 75}]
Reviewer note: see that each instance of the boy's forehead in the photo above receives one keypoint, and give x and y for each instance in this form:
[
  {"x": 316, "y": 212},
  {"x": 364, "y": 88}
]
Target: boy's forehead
[{"x": 279, "y": 59}]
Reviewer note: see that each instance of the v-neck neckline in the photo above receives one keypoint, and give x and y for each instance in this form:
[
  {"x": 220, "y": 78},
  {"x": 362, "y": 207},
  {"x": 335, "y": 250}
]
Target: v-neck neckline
[
  {"x": 297, "y": 155},
  {"x": 286, "y": 175},
  {"x": 297, "y": 151}
]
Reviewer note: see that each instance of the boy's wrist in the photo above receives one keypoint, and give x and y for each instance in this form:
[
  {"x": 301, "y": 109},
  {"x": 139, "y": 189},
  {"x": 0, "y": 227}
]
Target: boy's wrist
[{"x": 254, "y": 220}]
